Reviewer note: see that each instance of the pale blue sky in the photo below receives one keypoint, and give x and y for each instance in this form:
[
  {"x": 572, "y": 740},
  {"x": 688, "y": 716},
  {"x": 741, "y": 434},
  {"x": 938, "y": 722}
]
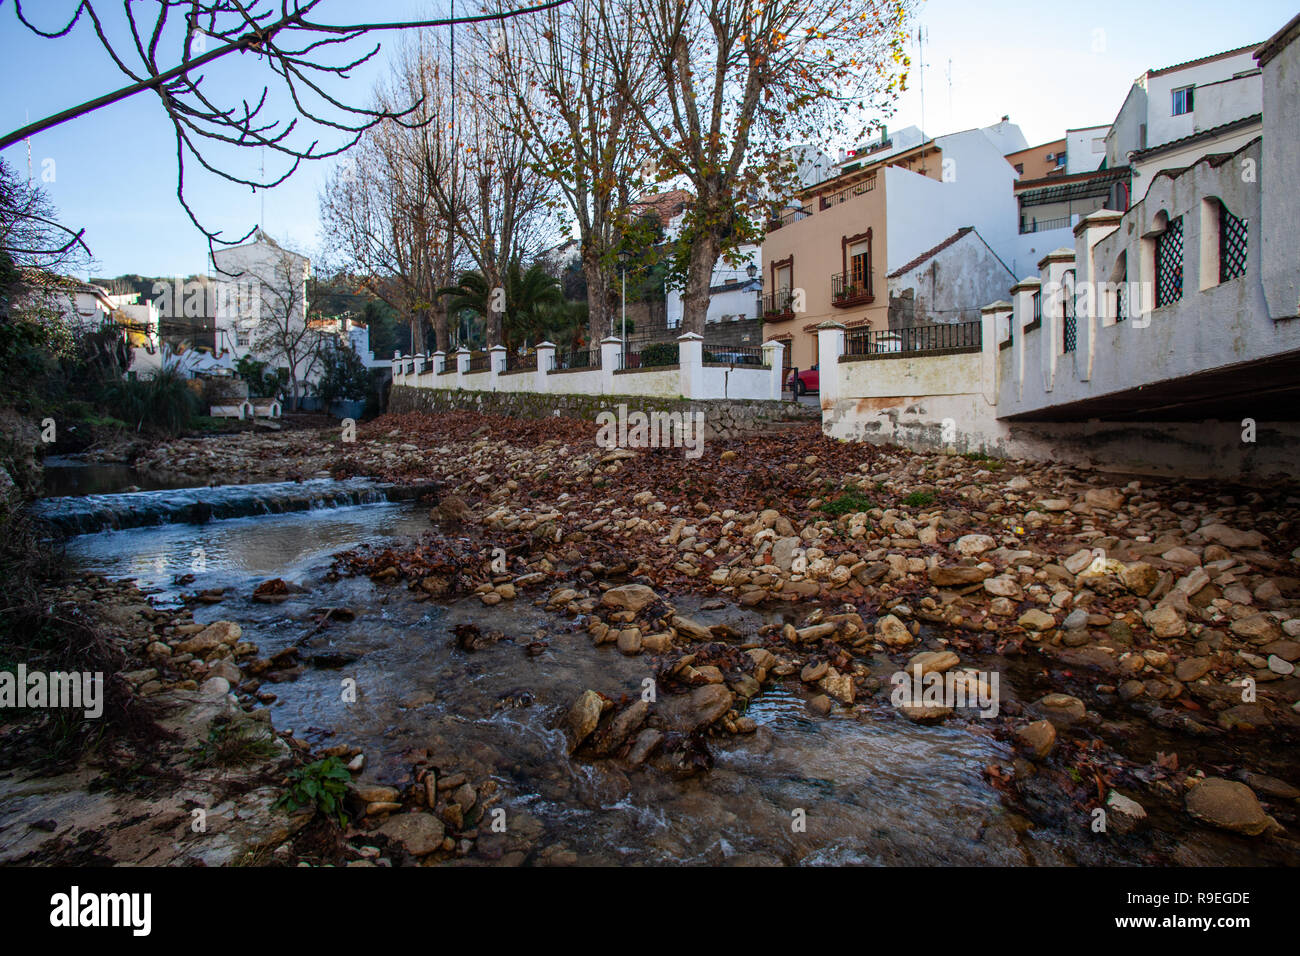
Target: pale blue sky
[{"x": 115, "y": 170}]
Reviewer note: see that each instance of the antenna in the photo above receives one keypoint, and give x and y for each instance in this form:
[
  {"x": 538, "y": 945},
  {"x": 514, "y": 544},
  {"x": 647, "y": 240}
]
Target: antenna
[{"x": 920, "y": 56}]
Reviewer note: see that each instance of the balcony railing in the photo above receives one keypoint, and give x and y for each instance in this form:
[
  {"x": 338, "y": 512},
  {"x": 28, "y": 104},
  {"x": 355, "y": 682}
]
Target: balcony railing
[
  {"x": 1042, "y": 225},
  {"x": 575, "y": 359},
  {"x": 967, "y": 336},
  {"x": 787, "y": 218},
  {"x": 847, "y": 290},
  {"x": 777, "y": 305},
  {"x": 847, "y": 193}
]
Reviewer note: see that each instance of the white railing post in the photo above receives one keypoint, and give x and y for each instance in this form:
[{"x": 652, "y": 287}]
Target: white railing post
[
  {"x": 545, "y": 359},
  {"x": 690, "y": 361},
  {"x": 462, "y": 366},
  {"x": 439, "y": 363},
  {"x": 830, "y": 346},
  {"x": 496, "y": 365},
  {"x": 611, "y": 346},
  {"x": 774, "y": 357}
]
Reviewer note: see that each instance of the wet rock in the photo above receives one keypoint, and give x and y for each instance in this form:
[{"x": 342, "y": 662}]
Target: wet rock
[
  {"x": 583, "y": 717},
  {"x": 646, "y": 743},
  {"x": 1229, "y": 805},
  {"x": 1061, "y": 709},
  {"x": 1124, "y": 815},
  {"x": 1038, "y": 738},
  {"x": 932, "y": 662},
  {"x": 629, "y": 597},
  {"x": 1270, "y": 787},
  {"x": 839, "y": 686},
  {"x": 211, "y": 637},
  {"x": 629, "y": 641},
  {"x": 701, "y": 707},
  {"x": 820, "y": 705},
  {"x": 1193, "y": 668},
  {"x": 814, "y": 672},
  {"x": 691, "y": 629},
  {"x": 418, "y": 833}
]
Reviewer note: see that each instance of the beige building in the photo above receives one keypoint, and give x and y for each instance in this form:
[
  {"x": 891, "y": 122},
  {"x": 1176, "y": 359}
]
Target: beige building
[{"x": 842, "y": 250}]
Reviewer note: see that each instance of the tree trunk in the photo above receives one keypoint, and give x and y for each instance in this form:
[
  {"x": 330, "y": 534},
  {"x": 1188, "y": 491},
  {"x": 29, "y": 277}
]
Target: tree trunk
[
  {"x": 441, "y": 339},
  {"x": 598, "y": 313},
  {"x": 699, "y": 274},
  {"x": 495, "y": 319},
  {"x": 417, "y": 333}
]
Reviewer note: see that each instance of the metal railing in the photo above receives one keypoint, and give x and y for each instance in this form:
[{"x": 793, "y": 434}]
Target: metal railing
[
  {"x": 847, "y": 193},
  {"x": 479, "y": 363},
  {"x": 751, "y": 355},
  {"x": 920, "y": 338},
  {"x": 521, "y": 363},
  {"x": 778, "y": 303},
  {"x": 653, "y": 355},
  {"x": 847, "y": 289},
  {"x": 576, "y": 358},
  {"x": 787, "y": 218},
  {"x": 1042, "y": 225}
]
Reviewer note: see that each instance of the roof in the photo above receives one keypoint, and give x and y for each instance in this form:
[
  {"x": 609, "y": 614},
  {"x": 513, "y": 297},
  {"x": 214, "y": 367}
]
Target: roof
[
  {"x": 931, "y": 253},
  {"x": 1030, "y": 149},
  {"x": 1036, "y": 192},
  {"x": 1211, "y": 159},
  {"x": 665, "y": 205},
  {"x": 40, "y": 278},
  {"x": 1138, "y": 155},
  {"x": 1278, "y": 41},
  {"x": 746, "y": 286},
  {"x": 1205, "y": 59}
]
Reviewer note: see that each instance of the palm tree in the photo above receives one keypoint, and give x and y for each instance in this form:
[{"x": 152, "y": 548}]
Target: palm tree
[{"x": 534, "y": 302}]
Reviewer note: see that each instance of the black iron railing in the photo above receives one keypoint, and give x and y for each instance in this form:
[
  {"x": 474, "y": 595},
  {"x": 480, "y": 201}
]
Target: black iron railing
[
  {"x": 479, "y": 363},
  {"x": 1042, "y": 225},
  {"x": 577, "y": 358},
  {"x": 787, "y": 218},
  {"x": 778, "y": 304},
  {"x": 920, "y": 338},
  {"x": 521, "y": 363},
  {"x": 847, "y": 289},
  {"x": 654, "y": 355},
  {"x": 750, "y": 355},
  {"x": 847, "y": 193}
]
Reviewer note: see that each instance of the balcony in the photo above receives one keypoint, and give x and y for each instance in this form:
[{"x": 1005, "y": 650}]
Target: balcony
[
  {"x": 787, "y": 218},
  {"x": 848, "y": 291},
  {"x": 776, "y": 306},
  {"x": 1043, "y": 225}
]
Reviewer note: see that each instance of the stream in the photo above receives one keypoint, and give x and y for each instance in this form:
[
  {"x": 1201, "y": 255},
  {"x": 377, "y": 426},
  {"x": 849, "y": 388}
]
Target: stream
[{"x": 875, "y": 789}]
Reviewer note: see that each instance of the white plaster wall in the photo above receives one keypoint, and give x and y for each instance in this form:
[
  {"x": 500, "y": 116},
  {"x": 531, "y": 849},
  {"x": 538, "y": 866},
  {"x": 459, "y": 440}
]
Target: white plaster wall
[
  {"x": 737, "y": 382},
  {"x": 586, "y": 382},
  {"x": 1144, "y": 172},
  {"x": 664, "y": 383},
  {"x": 1280, "y": 171},
  {"x": 1162, "y": 125},
  {"x": 1079, "y": 155}
]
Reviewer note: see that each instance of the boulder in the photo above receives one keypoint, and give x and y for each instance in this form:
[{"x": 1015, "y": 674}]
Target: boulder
[
  {"x": 628, "y": 597},
  {"x": 1228, "y": 805}
]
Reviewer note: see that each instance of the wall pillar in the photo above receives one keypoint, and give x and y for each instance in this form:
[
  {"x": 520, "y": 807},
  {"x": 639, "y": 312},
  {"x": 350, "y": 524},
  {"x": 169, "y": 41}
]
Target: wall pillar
[
  {"x": 462, "y": 366},
  {"x": 690, "y": 361},
  {"x": 496, "y": 365},
  {"x": 439, "y": 363},
  {"x": 545, "y": 359},
  {"x": 774, "y": 356},
  {"x": 830, "y": 346},
  {"x": 611, "y": 346}
]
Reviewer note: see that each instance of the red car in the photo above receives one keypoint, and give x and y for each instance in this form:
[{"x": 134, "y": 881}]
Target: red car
[{"x": 806, "y": 382}]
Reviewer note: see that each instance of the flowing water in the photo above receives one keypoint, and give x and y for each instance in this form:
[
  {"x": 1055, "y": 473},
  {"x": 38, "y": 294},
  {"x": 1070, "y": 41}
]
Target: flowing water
[{"x": 872, "y": 790}]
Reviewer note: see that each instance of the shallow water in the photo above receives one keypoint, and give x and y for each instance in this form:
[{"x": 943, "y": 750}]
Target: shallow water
[{"x": 873, "y": 789}]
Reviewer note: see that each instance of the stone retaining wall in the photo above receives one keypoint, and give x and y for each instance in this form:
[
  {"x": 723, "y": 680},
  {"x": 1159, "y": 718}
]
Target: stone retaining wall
[{"x": 723, "y": 418}]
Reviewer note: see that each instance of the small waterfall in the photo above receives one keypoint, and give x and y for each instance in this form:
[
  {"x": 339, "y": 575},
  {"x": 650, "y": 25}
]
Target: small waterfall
[{"x": 87, "y": 514}]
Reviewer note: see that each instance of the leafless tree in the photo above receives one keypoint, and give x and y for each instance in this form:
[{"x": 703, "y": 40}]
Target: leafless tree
[
  {"x": 378, "y": 210},
  {"x": 574, "y": 73},
  {"x": 30, "y": 234},
  {"x": 168, "y": 46}
]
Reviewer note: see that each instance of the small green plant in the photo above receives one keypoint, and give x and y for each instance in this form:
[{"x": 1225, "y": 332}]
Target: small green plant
[
  {"x": 233, "y": 745},
  {"x": 322, "y": 785},
  {"x": 661, "y": 353},
  {"x": 919, "y": 499},
  {"x": 850, "y": 501}
]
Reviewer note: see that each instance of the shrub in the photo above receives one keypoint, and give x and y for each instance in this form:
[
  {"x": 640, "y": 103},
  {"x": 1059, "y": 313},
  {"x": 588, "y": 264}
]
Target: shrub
[
  {"x": 661, "y": 353},
  {"x": 322, "y": 785},
  {"x": 918, "y": 499},
  {"x": 163, "y": 404},
  {"x": 850, "y": 501}
]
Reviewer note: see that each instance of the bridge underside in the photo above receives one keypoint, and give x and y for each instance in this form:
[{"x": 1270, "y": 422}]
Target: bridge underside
[{"x": 1265, "y": 390}]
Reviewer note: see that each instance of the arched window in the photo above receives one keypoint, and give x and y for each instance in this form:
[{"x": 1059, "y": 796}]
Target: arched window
[{"x": 1169, "y": 263}]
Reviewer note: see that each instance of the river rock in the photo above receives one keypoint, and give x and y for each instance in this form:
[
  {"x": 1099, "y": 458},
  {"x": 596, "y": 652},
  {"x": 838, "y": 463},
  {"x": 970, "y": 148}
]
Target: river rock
[
  {"x": 584, "y": 716},
  {"x": 956, "y": 577},
  {"x": 933, "y": 662},
  {"x": 1257, "y": 628},
  {"x": 1036, "y": 620},
  {"x": 1193, "y": 668},
  {"x": 1231, "y": 537},
  {"x": 645, "y": 744},
  {"x": 893, "y": 632},
  {"x": 1038, "y": 738},
  {"x": 211, "y": 637},
  {"x": 1165, "y": 622},
  {"x": 692, "y": 629},
  {"x": 1111, "y": 499},
  {"x": 1139, "y": 577},
  {"x": 629, "y": 641},
  {"x": 1229, "y": 805},
  {"x": 1061, "y": 709},
  {"x": 1004, "y": 586},
  {"x": 419, "y": 833},
  {"x": 1124, "y": 815},
  {"x": 701, "y": 707},
  {"x": 628, "y": 597},
  {"x": 969, "y": 544}
]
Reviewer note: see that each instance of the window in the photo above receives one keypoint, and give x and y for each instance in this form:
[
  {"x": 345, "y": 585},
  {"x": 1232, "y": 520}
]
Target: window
[
  {"x": 1020, "y": 168},
  {"x": 1233, "y": 236},
  {"x": 860, "y": 265},
  {"x": 1121, "y": 290},
  {"x": 1038, "y": 307},
  {"x": 1182, "y": 100},
  {"x": 1069, "y": 327},
  {"x": 1169, "y": 263}
]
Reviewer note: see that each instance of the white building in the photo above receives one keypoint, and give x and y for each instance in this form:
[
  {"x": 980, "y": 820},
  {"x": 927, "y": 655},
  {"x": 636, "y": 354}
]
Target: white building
[{"x": 1174, "y": 115}]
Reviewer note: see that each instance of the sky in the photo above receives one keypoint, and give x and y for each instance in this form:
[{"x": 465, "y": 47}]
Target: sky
[{"x": 1049, "y": 67}]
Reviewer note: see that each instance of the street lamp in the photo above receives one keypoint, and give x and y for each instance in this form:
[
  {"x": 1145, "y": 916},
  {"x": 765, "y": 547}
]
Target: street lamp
[
  {"x": 752, "y": 270},
  {"x": 622, "y": 268}
]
